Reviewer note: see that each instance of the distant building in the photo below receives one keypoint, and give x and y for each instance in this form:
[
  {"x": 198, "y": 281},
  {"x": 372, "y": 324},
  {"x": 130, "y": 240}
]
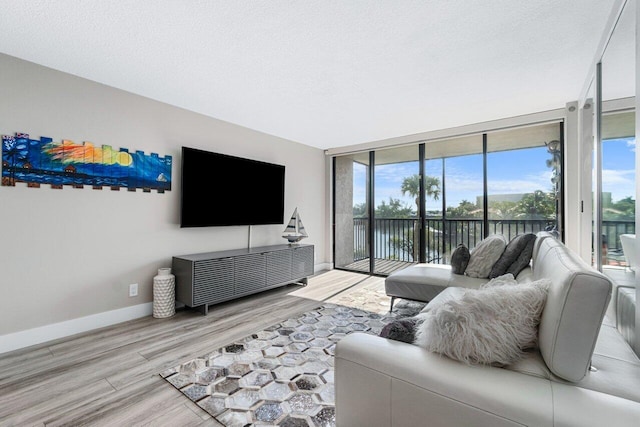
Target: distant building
[{"x": 515, "y": 197}]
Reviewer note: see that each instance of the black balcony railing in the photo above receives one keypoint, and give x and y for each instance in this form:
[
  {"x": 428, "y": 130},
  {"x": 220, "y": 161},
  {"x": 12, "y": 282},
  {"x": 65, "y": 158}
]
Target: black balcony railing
[{"x": 397, "y": 239}]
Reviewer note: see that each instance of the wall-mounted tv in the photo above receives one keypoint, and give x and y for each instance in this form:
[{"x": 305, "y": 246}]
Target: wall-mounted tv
[{"x": 219, "y": 190}]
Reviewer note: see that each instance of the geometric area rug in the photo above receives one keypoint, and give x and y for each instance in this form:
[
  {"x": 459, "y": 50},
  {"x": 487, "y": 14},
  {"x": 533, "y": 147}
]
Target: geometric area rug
[{"x": 283, "y": 374}]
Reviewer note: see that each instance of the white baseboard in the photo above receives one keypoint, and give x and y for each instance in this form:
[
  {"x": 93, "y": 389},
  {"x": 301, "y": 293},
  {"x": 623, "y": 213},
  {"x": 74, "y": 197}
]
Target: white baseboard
[
  {"x": 17, "y": 340},
  {"x": 39, "y": 335}
]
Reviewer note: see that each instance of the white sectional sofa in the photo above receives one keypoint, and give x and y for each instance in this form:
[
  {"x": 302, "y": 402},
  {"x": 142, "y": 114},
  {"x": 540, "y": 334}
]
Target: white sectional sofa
[{"x": 584, "y": 373}]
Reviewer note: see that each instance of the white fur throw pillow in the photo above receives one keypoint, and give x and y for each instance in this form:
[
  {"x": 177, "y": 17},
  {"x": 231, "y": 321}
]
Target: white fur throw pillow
[
  {"x": 485, "y": 255},
  {"x": 491, "y": 326}
]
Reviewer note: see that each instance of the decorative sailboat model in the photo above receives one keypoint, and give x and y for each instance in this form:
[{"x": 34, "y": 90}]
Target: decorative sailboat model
[{"x": 294, "y": 231}]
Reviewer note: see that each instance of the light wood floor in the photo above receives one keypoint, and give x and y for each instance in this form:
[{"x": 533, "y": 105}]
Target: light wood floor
[{"x": 109, "y": 377}]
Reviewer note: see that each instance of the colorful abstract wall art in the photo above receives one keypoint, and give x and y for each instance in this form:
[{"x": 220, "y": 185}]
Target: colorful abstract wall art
[{"x": 43, "y": 161}]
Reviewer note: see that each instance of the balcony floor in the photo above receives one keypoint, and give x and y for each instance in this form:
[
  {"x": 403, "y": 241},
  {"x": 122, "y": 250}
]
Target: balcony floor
[{"x": 382, "y": 266}]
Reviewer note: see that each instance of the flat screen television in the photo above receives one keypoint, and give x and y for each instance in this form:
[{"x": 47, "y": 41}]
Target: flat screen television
[{"x": 220, "y": 190}]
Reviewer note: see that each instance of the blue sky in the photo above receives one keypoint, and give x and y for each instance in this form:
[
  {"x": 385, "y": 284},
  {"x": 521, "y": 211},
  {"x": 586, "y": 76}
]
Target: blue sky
[
  {"x": 510, "y": 172},
  {"x": 618, "y": 168}
]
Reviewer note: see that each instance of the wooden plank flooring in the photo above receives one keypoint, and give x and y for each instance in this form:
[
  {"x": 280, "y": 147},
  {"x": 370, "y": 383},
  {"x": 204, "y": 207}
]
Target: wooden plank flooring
[{"x": 109, "y": 377}]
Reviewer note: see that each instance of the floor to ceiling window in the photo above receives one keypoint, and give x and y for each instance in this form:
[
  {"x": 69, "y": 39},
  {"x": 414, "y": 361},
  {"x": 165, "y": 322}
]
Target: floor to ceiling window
[{"x": 391, "y": 210}]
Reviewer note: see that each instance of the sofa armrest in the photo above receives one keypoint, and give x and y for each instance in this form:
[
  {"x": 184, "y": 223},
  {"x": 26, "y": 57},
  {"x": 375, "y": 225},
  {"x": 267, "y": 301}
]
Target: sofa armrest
[{"x": 381, "y": 382}]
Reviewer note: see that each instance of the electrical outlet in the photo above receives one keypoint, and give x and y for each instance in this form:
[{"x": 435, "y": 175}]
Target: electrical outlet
[{"x": 133, "y": 290}]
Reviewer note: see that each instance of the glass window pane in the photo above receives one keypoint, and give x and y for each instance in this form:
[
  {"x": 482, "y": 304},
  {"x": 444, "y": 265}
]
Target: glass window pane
[
  {"x": 464, "y": 185},
  {"x": 433, "y": 169},
  {"x": 523, "y": 180},
  {"x": 396, "y": 198},
  {"x": 618, "y": 185},
  {"x": 351, "y": 217},
  {"x": 457, "y": 164}
]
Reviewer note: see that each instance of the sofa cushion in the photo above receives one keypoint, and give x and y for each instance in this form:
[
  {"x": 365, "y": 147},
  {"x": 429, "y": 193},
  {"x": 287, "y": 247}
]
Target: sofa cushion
[
  {"x": 575, "y": 307},
  {"x": 422, "y": 282},
  {"x": 485, "y": 255},
  {"x": 491, "y": 326},
  {"x": 626, "y": 313},
  {"x": 460, "y": 259},
  {"x": 516, "y": 256}
]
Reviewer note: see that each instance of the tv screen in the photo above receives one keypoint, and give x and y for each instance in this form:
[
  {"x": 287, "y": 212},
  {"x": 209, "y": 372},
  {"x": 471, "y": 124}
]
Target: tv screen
[{"x": 218, "y": 190}]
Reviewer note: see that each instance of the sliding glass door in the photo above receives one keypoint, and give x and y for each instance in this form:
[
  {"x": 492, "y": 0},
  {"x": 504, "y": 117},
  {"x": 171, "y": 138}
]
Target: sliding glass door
[
  {"x": 396, "y": 194},
  {"x": 524, "y": 180},
  {"x": 613, "y": 161}
]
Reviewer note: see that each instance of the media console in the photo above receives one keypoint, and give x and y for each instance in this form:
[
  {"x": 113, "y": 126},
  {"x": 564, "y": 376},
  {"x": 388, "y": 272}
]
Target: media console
[{"x": 209, "y": 278}]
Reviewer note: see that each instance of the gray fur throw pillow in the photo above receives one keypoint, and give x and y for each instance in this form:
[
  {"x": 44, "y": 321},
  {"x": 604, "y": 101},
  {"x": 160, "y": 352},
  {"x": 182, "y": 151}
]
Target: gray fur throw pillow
[
  {"x": 459, "y": 259},
  {"x": 400, "y": 330}
]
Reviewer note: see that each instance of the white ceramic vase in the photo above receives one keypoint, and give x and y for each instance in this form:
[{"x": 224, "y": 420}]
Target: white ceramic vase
[{"x": 164, "y": 294}]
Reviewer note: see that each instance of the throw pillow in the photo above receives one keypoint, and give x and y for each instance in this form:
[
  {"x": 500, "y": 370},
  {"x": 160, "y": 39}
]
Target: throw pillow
[
  {"x": 515, "y": 257},
  {"x": 491, "y": 326},
  {"x": 485, "y": 255},
  {"x": 524, "y": 259},
  {"x": 400, "y": 330},
  {"x": 459, "y": 259}
]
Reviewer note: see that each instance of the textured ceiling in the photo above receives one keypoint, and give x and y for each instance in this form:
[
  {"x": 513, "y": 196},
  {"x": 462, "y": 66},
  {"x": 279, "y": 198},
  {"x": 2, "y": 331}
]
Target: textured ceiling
[{"x": 324, "y": 73}]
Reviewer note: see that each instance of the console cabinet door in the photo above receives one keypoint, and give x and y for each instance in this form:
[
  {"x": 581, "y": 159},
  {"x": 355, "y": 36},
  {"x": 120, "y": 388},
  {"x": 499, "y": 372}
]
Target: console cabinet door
[
  {"x": 212, "y": 281},
  {"x": 249, "y": 273},
  {"x": 302, "y": 262},
  {"x": 279, "y": 267}
]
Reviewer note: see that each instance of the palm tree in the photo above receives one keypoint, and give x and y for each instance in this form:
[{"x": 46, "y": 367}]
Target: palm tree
[
  {"x": 411, "y": 185},
  {"x": 15, "y": 150}
]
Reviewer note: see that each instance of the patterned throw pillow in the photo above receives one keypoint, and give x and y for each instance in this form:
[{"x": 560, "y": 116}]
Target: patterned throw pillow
[
  {"x": 460, "y": 259},
  {"x": 515, "y": 257},
  {"x": 485, "y": 255}
]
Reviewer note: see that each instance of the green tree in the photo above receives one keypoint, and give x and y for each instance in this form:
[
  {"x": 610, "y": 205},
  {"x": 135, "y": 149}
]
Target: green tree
[
  {"x": 502, "y": 210},
  {"x": 536, "y": 205},
  {"x": 465, "y": 209},
  {"x": 395, "y": 209},
  {"x": 411, "y": 185},
  {"x": 623, "y": 209},
  {"x": 360, "y": 210}
]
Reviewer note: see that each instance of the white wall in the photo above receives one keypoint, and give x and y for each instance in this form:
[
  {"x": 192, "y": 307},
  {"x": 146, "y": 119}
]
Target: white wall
[{"x": 71, "y": 253}]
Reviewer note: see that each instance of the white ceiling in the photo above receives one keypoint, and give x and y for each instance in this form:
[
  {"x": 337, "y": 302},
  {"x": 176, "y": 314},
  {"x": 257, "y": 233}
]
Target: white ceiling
[{"x": 325, "y": 73}]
